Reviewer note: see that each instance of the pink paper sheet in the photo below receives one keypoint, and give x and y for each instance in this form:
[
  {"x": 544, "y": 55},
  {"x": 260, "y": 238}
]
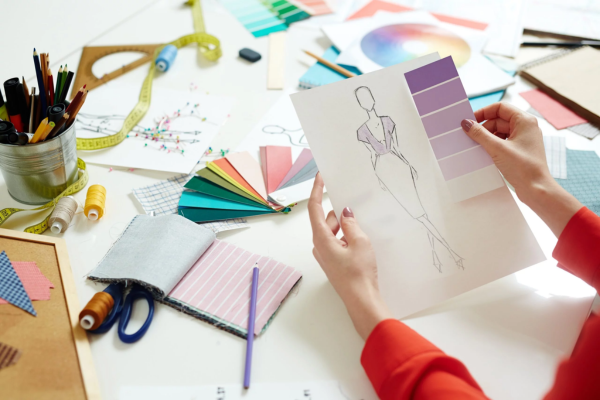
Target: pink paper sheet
[
  {"x": 250, "y": 170},
  {"x": 219, "y": 283},
  {"x": 303, "y": 159},
  {"x": 554, "y": 112},
  {"x": 276, "y": 162},
  {"x": 35, "y": 283}
]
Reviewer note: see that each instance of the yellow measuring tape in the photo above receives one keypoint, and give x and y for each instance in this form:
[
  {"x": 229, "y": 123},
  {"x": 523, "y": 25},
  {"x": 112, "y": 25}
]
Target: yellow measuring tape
[
  {"x": 82, "y": 180},
  {"x": 208, "y": 45}
]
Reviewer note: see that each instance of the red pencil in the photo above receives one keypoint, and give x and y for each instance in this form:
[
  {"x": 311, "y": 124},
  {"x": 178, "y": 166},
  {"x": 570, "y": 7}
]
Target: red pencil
[{"x": 50, "y": 88}]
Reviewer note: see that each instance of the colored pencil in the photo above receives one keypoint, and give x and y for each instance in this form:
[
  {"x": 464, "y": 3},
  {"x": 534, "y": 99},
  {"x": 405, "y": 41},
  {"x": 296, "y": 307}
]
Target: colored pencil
[
  {"x": 57, "y": 90},
  {"x": 62, "y": 81},
  {"x": 39, "y": 131},
  {"x": 331, "y": 65},
  {"x": 65, "y": 89},
  {"x": 57, "y": 127},
  {"x": 76, "y": 110},
  {"x": 50, "y": 88},
  {"x": 26, "y": 91},
  {"x": 76, "y": 99},
  {"x": 251, "y": 321},
  {"x": 47, "y": 131},
  {"x": 32, "y": 110},
  {"x": 40, "y": 79}
]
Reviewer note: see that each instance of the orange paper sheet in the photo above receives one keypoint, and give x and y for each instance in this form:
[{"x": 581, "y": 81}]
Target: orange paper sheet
[{"x": 231, "y": 171}]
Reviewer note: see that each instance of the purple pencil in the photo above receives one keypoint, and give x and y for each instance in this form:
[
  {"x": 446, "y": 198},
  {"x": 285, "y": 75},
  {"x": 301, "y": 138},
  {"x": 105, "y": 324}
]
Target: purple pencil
[{"x": 251, "y": 319}]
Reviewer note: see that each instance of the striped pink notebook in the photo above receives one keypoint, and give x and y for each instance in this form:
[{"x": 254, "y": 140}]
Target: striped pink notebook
[{"x": 217, "y": 288}]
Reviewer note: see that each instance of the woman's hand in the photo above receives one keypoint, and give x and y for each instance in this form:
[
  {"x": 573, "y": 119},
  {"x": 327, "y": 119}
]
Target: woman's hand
[
  {"x": 349, "y": 263},
  {"x": 514, "y": 141}
]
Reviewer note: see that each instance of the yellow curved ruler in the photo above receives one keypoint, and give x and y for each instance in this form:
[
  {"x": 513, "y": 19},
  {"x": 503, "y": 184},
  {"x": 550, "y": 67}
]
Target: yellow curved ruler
[{"x": 82, "y": 180}]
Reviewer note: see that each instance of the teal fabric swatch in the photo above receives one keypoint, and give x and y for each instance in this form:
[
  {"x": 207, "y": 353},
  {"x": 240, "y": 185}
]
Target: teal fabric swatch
[{"x": 583, "y": 178}]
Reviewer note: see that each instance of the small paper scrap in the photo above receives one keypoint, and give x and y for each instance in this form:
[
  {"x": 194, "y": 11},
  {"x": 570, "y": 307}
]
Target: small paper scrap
[
  {"x": 35, "y": 283},
  {"x": 8, "y": 355},
  {"x": 556, "y": 156},
  {"x": 554, "y": 112},
  {"x": 11, "y": 287}
]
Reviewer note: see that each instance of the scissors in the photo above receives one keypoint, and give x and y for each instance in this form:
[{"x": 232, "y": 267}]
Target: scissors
[{"x": 122, "y": 308}]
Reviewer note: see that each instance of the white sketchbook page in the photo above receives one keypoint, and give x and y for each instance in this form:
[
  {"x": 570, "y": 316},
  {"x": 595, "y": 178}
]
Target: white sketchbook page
[
  {"x": 118, "y": 100},
  {"x": 409, "y": 279}
]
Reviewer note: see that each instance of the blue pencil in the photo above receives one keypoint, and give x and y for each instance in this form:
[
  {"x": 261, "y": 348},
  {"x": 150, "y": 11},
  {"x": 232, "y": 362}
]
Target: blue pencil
[
  {"x": 251, "y": 320},
  {"x": 42, "y": 86}
]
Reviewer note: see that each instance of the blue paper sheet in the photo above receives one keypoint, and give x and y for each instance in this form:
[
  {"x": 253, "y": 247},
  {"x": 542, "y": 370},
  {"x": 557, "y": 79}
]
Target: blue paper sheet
[{"x": 200, "y": 200}]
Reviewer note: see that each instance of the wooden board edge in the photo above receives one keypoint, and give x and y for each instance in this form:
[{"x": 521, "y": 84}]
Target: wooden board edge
[
  {"x": 28, "y": 237},
  {"x": 82, "y": 345}
]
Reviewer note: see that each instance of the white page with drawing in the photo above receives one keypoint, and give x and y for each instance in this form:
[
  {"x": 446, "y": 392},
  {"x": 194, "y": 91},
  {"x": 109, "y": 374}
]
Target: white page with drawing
[{"x": 372, "y": 150}]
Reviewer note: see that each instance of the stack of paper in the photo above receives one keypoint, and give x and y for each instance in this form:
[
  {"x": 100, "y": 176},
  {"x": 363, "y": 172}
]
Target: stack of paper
[{"x": 238, "y": 186}]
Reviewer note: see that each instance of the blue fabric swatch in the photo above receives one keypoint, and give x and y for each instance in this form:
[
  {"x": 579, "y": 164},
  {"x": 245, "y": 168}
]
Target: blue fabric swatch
[
  {"x": 11, "y": 287},
  {"x": 583, "y": 178}
]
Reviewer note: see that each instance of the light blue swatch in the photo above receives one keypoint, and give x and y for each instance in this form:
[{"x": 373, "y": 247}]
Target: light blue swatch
[{"x": 201, "y": 200}]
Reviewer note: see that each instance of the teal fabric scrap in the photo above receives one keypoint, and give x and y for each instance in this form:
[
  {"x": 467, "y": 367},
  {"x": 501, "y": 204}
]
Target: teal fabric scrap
[{"x": 583, "y": 180}]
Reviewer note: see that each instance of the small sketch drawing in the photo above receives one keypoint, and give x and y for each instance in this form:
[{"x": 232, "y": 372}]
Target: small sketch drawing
[
  {"x": 395, "y": 174},
  {"x": 292, "y": 134}
]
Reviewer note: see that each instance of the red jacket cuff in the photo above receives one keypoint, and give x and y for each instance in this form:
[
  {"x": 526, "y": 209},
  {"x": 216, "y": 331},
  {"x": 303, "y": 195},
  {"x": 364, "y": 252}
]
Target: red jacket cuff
[
  {"x": 578, "y": 247},
  {"x": 391, "y": 343}
]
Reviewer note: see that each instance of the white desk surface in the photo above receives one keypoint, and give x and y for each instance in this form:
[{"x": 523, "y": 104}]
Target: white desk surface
[{"x": 511, "y": 333}]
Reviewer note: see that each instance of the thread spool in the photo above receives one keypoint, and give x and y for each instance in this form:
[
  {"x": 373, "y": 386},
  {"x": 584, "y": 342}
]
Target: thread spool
[
  {"x": 63, "y": 214},
  {"x": 95, "y": 202},
  {"x": 96, "y": 310},
  {"x": 166, "y": 58}
]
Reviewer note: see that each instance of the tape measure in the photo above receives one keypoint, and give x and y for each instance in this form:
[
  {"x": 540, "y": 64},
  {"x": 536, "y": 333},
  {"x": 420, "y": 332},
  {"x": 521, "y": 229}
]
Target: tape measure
[{"x": 82, "y": 180}]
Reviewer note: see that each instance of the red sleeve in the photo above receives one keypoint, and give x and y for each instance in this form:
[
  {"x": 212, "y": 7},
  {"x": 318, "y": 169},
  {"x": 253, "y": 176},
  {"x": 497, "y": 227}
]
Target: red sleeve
[
  {"x": 402, "y": 364},
  {"x": 578, "y": 247},
  {"x": 578, "y": 251}
]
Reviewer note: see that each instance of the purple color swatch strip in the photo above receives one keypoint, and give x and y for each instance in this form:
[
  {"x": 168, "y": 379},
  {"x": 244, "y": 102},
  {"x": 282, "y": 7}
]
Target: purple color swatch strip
[
  {"x": 464, "y": 163},
  {"x": 452, "y": 143},
  {"x": 448, "y": 119},
  {"x": 431, "y": 75},
  {"x": 440, "y": 96}
]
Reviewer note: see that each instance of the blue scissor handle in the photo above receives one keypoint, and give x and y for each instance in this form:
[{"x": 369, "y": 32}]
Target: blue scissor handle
[{"x": 137, "y": 292}]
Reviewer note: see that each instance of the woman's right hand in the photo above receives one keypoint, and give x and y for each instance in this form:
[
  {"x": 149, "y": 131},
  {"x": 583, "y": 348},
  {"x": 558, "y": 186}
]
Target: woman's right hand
[{"x": 514, "y": 141}]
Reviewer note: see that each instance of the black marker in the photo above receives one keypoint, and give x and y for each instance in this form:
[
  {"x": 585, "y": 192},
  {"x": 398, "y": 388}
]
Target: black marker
[
  {"x": 8, "y": 133},
  {"x": 55, "y": 113}
]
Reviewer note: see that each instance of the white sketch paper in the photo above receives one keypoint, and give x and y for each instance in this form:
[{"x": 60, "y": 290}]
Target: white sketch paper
[{"x": 409, "y": 278}]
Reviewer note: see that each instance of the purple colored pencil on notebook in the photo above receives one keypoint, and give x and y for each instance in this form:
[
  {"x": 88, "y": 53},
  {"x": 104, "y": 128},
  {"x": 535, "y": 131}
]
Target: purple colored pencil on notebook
[{"x": 251, "y": 319}]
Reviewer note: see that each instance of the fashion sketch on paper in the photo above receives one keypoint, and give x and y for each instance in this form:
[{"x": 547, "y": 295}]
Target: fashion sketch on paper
[{"x": 396, "y": 175}]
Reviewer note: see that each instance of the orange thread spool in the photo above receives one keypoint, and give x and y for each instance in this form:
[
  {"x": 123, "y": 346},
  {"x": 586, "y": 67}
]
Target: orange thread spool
[{"x": 96, "y": 310}]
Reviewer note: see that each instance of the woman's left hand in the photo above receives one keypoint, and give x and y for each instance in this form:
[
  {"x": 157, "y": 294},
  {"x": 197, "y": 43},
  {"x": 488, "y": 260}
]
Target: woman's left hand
[{"x": 349, "y": 262}]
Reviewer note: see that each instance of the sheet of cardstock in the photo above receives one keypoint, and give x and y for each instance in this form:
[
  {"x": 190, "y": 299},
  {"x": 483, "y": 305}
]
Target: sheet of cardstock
[
  {"x": 8, "y": 355},
  {"x": 219, "y": 284},
  {"x": 218, "y": 180},
  {"x": 303, "y": 159},
  {"x": 442, "y": 104},
  {"x": 35, "y": 283},
  {"x": 11, "y": 287},
  {"x": 276, "y": 161},
  {"x": 201, "y": 185},
  {"x": 201, "y": 117},
  {"x": 162, "y": 198},
  {"x": 250, "y": 170},
  {"x": 583, "y": 180},
  {"x": 429, "y": 247},
  {"x": 293, "y": 194},
  {"x": 278, "y": 127},
  {"x": 224, "y": 169},
  {"x": 308, "y": 172},
  {"x": 202, "y": 215},
  {"x": 313, "y": 7},
  {"x": 554, "y": 112},
  {"x": 556, "y": 156},
  {"x": 201, "y": 200}
]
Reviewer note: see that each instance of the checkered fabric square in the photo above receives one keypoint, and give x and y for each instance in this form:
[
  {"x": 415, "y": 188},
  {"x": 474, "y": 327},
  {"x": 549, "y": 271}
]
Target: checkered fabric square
[
  {"x": 556, "y": 156},
  {"x": 11, "y": 288},
  {"x": 583, "y": 180}
]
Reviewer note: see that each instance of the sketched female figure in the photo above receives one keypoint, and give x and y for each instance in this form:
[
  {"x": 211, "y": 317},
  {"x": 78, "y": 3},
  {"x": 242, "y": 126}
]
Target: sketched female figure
[{"x": 393, "y": 170}]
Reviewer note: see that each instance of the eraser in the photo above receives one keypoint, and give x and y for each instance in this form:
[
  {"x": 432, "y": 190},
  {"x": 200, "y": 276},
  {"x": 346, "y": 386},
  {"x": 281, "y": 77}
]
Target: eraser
[{"x": 249, "y": 55}]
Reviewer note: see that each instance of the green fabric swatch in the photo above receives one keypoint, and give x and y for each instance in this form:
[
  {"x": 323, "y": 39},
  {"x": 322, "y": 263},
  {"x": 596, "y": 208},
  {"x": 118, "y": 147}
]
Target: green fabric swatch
[
  {"x": 207, "y": 187},
  {"x": 217, "y": 180},
  {"x": 583, "y": 178},
  {"x": 209, "y": 214}
]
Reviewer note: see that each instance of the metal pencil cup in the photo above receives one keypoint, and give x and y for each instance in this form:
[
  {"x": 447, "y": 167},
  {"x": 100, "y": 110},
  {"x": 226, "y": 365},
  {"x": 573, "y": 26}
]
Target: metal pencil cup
[{"x": 37, "y": 173}]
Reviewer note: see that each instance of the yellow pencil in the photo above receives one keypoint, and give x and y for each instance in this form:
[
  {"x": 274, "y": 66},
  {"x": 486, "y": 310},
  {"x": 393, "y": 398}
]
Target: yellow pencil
[
  {"x": 39, "y": 131},
  {"x": 47, "y": 131},
  {"x": 331, "y": 65}
]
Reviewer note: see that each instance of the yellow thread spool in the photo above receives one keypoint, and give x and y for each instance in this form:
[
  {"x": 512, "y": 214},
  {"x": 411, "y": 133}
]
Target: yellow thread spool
[
  {"x": 95, "y": 202},
  {"x": 96, "y": 310}
]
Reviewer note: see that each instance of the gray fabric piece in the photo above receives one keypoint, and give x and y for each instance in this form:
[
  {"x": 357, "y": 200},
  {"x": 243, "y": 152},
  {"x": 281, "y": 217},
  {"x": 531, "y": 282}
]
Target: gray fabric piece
[
  {"x": 155, "y": 252},
  {"x": 309, "y": 171}
]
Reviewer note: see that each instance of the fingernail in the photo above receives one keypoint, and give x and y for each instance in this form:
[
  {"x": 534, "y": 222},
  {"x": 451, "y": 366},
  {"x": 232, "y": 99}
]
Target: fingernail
[
  {"x": 347, "y": 212},
  {"x": 466, "y": 124}
]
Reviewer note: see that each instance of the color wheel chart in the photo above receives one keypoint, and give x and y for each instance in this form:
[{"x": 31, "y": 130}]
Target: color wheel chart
[
  {"x": 393, "y": 44},
  {"x": 442, "y": 104},
  {"x": 262, "y": 17}
]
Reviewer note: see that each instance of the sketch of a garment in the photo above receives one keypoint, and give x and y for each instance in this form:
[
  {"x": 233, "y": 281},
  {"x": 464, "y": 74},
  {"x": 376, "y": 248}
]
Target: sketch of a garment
[
  {"x": 296, "y": 136},
  {"x": 391, "y": 170}
]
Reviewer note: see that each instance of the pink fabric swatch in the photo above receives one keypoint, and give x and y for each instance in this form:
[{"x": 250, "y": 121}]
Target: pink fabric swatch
[
  {"x": 219, "y": 283},
  {"x": 35, "y": 283},
  {"x": 554, "y": 112},
  {"x": 303, "y": 159}
]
